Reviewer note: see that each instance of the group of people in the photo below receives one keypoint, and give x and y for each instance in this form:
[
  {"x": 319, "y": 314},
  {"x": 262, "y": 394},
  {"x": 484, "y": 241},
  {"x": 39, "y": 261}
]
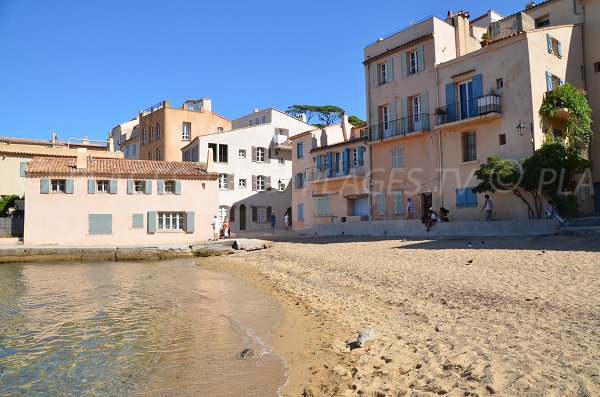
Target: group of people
[{"x": 222, "y": 229}]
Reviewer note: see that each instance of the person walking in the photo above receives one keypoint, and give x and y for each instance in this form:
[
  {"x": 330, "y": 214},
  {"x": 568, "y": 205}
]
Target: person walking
[
  {"x": 272, "y": 221},
  {"x": 286, "y": 221},
  {"x": 488, "y": 207},
  {"x": 216, "y": 225},
  {"x": 226, "y": 228},
  {"x": 410, "y": 209}
]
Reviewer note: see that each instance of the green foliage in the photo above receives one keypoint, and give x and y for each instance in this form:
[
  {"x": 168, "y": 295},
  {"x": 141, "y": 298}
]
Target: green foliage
[
  {"x": 7, "y": 202},
  {"x": 485, "y": 36},
  {"x": 355, "y": 120},
  {"x": 497, "y": 174},
  {"x": 567, "y": 206},
  {"x": 579, "y": 124},
  {"x": 327, "y": 114}
]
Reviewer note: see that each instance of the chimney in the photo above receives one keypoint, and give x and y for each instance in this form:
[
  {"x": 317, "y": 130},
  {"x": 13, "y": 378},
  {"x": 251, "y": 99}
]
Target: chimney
[
  {"x": 207, "y": 105},
  {"x": 345, "y": 126},
  {"x": 461, "y": 32},
  {"x": 54, "y": 138},
  {"x": 256, "y": 110},
  {"x": 209, "y": 161},
  {"x": 81, "y": 158},
  {"x": 86, "y": 141},
  {"x": 111, "y": 145},
  {"x": 301, "y": 117}
]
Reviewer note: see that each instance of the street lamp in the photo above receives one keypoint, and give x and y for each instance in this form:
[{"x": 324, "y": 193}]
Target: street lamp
[{"x": 521, "y": 127}]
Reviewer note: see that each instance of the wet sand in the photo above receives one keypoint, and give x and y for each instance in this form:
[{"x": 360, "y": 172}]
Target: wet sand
[{"x": 508, "y": 317}]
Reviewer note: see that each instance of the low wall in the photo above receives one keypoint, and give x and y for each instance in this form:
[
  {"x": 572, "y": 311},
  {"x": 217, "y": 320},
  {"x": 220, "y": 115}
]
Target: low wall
[
  {"x": 414, "y": 228},
  {"x": 11, "y": 227}
]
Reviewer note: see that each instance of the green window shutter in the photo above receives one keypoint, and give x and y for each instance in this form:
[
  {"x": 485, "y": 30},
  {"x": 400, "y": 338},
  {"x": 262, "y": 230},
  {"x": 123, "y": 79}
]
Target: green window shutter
[
  {"x": 403, "y": 115},
  {"x": 113, "y": 186},
  {"x": 425, "y": 110},
  {"x": 392, "y": 110},
  {"x": 69, "y": 186},
  {"x": 189, "y": 222},
  {"x": 44, "y": 186},
  {"x": 22, "y": 168},
  {"x": 137, "y": 221},
  {"x": 160, "y": 185},
  {"x": 129, "y": 186},
  {"x": 421, "y": 58},
  {"x": 178, "y": 188},
  {"x": 100, "y": 224},
  {"x": 91, "y": 186},
  {"x": 389, "y": 68},
  {"x": 151, "y": 222},
  {"x": 148, "y": 187},
  {"x": 375, "y": 71},
  {"x": 403, "y": 64}
]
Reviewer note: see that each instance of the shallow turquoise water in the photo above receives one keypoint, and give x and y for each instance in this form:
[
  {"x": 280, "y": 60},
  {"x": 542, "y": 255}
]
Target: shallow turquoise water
[{"x": 147, "y": 328}]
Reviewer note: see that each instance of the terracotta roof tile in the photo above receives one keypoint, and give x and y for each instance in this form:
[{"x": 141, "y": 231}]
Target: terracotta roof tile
[
  {"x": 119, "y": 168},
  {"x": 25, "y": 141}
]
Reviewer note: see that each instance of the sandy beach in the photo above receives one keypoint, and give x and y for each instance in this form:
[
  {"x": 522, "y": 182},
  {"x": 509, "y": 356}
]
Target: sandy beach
[{"x": 507, "y": 317}]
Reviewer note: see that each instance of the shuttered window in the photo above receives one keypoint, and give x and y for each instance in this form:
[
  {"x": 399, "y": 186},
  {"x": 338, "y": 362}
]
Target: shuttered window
[
  {"x": 137, "y": 221},
  {"x": 322, "y": 206},
  {"x": 381, "y": 204},
  {"x": 100, "y": 224},
  {"x": 466, "y": 197},
  {"x": 300, "y": 212},
  {"x": 398, "y": 158},
  {"x": 398, "y": 205}
]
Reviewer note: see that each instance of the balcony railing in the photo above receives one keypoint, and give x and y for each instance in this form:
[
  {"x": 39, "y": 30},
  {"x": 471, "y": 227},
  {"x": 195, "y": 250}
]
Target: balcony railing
[
  {"x": 468, "y": 109},
  {"x": 314, "y": 174},
  {"x": 400, "y": 127},
  {"x": 153, "y": 108}
]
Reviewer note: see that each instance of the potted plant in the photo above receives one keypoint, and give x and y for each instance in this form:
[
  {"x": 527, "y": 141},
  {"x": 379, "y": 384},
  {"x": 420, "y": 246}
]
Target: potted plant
[
  {"x": 485, "y": 39},
  {"x": 440, "y": 114}
]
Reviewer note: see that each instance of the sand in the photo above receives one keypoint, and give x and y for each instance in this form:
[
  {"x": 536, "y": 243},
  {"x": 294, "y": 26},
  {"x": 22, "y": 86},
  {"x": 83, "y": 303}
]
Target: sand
[{"x": 505, "y": 317}]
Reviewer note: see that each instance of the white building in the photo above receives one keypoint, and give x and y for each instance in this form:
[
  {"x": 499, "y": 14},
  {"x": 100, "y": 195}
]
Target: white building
[
  {"x": 254, "y": 162},
  {"x": 122, "y": 132}
]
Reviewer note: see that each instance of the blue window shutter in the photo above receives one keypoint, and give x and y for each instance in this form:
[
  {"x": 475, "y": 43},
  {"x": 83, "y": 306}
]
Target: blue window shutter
[
  {"x": 375, "y": 72},
  {"x": 69, "y": 186},
  {"x": 151, "y": 222},
  {"x": 403, "y": 128},
  {"x": 549, "y": 84},
  {"x": 160, "y": 186},
  {"x": 100, "y": 224},
  {"x": 23, "y": 167},
  {"x": 559, "y": 49},
  {"x": 329, "y": 165},
  {"x": 461, "y": 198},
  {"x": 129, "y": 186},
  {"x": 91, "y": 186},
  {"x": 304, "y": 178},
  {"x": 471, "y": 197},
  {"x": 189, "y": 222},
  {"x": 477, "y": 86},
  {"x": 148, "y": 187},
  {"x": 347, "y": 162},
  {"x": 549, "y": 41},
  {"x": 319, "y": 162},
  {"x": 178, "y": 186},
  {"x": 44, "y": 186},
  {"x": 389, "y": 70},
  {"x": 403, "y": 64},
  {"x": 360, "y": 155},
  {"x": 113, "y": 186},
  {"x": 421, "y": 58},
  {"x": 450, "y": 102},
  {"x": 137, "y": 221}
]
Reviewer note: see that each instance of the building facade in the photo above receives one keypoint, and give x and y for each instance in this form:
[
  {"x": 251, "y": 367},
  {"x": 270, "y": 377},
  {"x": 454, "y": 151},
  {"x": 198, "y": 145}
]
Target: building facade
[
  {"x": 122, "y": 132},
  {"x": 254, "y": 164},
  {"x": 96, "y": 201}
]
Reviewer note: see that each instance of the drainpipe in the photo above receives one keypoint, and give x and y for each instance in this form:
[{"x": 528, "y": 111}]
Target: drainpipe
[
  {"x": 437, "y": 105},
  {"x": 369, "y": 118}
]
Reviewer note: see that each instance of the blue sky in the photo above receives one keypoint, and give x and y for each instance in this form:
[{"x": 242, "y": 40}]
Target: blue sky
[{"x": 81, "y": 67}]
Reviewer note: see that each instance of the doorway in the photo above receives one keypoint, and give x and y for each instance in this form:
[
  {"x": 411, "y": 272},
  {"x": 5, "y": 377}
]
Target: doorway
[
  {"x": 426, "y": 204},
  {"x": 242, "y": 217},
  {"x": 289, "y": 212}
]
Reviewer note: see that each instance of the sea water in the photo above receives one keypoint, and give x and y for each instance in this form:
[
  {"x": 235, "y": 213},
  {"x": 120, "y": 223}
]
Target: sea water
[{"x": 167, "y": 328}]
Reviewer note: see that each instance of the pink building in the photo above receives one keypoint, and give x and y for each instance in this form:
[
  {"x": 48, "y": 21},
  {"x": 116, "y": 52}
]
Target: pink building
[{"x": 99, "y": 201}]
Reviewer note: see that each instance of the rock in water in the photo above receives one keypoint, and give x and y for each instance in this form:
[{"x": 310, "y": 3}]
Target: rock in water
[
  {"x": 246, "y": 353},
  {"x": 364, "y": 336}
]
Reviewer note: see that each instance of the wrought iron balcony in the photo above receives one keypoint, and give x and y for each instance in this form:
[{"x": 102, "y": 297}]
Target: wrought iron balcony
[
  {"x": 470, "y": 108},
  {"x": 314, "y": 174},
  {"x": 399, "y": 127}
]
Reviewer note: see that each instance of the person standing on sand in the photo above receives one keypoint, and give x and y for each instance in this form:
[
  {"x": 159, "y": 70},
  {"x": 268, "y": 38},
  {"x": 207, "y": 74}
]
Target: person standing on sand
[
  {"x": 226, "y": 228},
  {"x": 272, "y": 221},
  {"x": 410, "y": 209},
  {"x": 286, "y": 221},
  {"x": 488, "y": 207},
  {"x": 216, "y": 225}
]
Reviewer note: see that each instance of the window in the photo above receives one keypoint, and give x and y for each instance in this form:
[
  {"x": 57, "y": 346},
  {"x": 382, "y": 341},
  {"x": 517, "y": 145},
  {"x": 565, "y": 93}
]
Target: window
[
  {"x": 281, "y": 161},
  {"x": 299, "y": 150},
  {"x": 223, "y": 212},
  {"x": 158, "y": 131},
  {"x": 257, "y": 121},
  {"x": 137, "y": 221},
  {"x": 299, "y": 180},
  {"x": 381, "y": 204},
  {"x": 355, "y": 157},
  {"x": 58, "y": 186},
  {"x": 499, "y": 83},
  {"x": 502, "y": 139},
  {"x": 232, "y": 214},
  {"x": 151, "y": 134},
  {"x": 382, "y": 73},
  {"x": 413, "y": 65},
  {"x": 322, "y": 206},
  {"x": 100, "y": 224},
  {"x": 251, "y": 122},
  {"x": 170, "y": 221},
  {"x": 397, "y": 158},
  {"x": 186, "y": 131},
  {"x": 241, "y": 183},
  {"x": 150, "y": 155},
  {"x": 542, "y": 22},
  {"x": 597, "y": 67},
  {"x": 222, "y": 157},
  {"x": 242, "y": 153},
  {"x": 264, "y": 118},
  {"x": 139, "y": 186},
  {"x": 169, "y": 187},
  {"x": 553, "y": 81},
  {"x": 144, "y": 137},
  {"x": 260, "y": 183},
  {"x": 280, "y": 186},
  {"x": 158, "y": 154},
  {"x": 416, "y": 112},
  {"x": 260, "y": 154},
  {"x": 261, "y": 214},
  {"x": 222, "y": 181},
  {"x": 300, "y": 212},
  {"x": 554, "y": 45},
  {"x": 126, "y": 151},
  {"x": 466, "y": 197},
  {"x": 134, "y": 151},
  {"x": 219, "y": 129},
  {"x": 469, "y": 146},
  {"x": 398, "y": 205},
  {"x": 103, "y": 186}
]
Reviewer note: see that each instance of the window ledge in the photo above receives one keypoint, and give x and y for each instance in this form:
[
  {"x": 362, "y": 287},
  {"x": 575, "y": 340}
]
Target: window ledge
[{"x": 470, "y": 162}]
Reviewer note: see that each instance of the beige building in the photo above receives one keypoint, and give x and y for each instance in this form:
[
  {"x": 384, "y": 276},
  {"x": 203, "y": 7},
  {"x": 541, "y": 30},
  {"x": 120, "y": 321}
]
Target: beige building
[
  {"x": 122, "y": 132},
  {"x": 163, "y": 130},
  {"x": 15, "y": 153},
  {"x": 440, "y": 101},
  {"x": 98, "y": 201}
]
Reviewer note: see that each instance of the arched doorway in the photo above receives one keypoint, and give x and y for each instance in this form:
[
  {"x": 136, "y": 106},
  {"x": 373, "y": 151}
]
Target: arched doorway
[{"x": 242, "y": 217}]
